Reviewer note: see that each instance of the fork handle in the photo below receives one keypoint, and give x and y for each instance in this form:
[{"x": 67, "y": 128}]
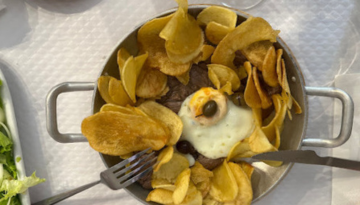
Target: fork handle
[{"x": 65, "y": 195}]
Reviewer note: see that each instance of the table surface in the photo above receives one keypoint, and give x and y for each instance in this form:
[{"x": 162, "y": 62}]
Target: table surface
[{"x": 47, "y": 42}]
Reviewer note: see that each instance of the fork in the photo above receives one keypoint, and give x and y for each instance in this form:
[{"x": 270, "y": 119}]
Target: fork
[{"x": 115, "y": 177}]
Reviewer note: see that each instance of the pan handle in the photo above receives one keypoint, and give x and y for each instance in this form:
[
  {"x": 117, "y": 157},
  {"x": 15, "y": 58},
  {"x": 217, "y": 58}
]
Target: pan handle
[
  {"x": 346, "y": 118},
  {"x": 51, "y": 115}
]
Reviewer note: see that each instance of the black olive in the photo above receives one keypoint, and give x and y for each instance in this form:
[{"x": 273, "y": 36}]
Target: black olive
[
  {"x": 238, "y": 99},
  {"x": 210, "y": 108},
  {"x": 185, "y": 147}
]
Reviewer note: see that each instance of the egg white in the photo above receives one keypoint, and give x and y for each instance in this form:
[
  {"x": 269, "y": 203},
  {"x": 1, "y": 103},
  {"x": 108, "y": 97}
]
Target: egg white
[{"x": 215, "y": 141}]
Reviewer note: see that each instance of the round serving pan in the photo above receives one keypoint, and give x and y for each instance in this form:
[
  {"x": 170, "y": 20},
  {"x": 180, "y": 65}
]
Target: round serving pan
[{"x": 265, "y": 178}]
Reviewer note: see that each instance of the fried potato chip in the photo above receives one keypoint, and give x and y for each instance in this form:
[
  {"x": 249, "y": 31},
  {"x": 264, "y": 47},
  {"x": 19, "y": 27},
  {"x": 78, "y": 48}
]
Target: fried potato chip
[
  {"x": 115, "y": 133},
  {"x": 259, "y": 143},
  {"x": 254, "y": 29},
  {"x": 199, "y": 173},
  {"x": 226, "y": 88},
  {"x": 224, "y": 75},
  {"x": 150, "y": 83},
  {"x": 257, "y": 115},
  {"x": 126, "y": 156},
  {"x": 122, "y": 56},
  {"x": 223, "y": 184},
  {"x": 256, "y": 52},
  {"x": 265, "y": 99},
  {"x": 206, "y": 52},
  {"x": 162, "y": 184},
  {"x": 130, "y": 73},
  {"x": 117, "y": 108},
  {"x": 279, "y": 53},
  {"x": 169, "y": 171},
  {"x": 208, "y": 200},
  {"x": 215, "y": 32},
  {"x": 183, "y": 37},
  {"x": 269, "y": 68},
  {"x": 277, "y": 138},
  {"x": 182, "y": 185},
  {"x": 242, "y": 73},
  {"x": 251, "y": 94},
  {"x": 219, "y": 15},
  {"x": 161, "y": 196},
  {"x": 284, "y": 82},
  {"x": 166, "y": 116},
  {"x": 164, "y": 157},
  {"x": 117, "y": 93},
  {"x": 193, "y": 196},
  {"x": 240, "y": 150},
  {"x": 103, "y": 87},
  {"x": 245, "y": 193},
  {"x": 150, "y": 41},
  {"x": 184, "y": 78},
  {"x": 296, "y": 105},
  {"x": 278, "y": 120},
  {"x": 247, "y": 168}
]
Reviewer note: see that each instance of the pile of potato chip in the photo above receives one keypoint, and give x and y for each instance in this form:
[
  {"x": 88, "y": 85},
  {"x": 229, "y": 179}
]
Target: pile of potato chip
[{"x": 132, "y": 121}]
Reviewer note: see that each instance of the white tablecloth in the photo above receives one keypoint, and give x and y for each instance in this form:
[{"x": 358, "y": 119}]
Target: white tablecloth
[{"x": 46, "y": 42}]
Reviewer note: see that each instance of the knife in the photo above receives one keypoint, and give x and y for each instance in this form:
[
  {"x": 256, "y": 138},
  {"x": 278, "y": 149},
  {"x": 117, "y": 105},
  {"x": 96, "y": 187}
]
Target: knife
[{"x": 308, "y": 157}]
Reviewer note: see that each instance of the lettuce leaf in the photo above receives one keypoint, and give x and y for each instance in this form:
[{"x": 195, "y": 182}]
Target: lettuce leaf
[
  {"x": 13, "y": 187},
  {"x": 5, "y": 143}
]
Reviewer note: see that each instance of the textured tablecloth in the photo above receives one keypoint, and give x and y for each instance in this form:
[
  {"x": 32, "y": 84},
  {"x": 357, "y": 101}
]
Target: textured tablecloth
[{"x": 47, "y": 42}]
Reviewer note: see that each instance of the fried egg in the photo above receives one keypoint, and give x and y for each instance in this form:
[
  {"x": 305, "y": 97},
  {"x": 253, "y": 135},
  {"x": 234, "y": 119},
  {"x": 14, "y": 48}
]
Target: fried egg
[{"x": 214, "y": 136}]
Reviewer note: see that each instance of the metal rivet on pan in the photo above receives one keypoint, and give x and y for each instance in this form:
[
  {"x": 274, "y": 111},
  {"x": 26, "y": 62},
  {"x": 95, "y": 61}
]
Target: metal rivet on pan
[{"x": 293, "y": 79}]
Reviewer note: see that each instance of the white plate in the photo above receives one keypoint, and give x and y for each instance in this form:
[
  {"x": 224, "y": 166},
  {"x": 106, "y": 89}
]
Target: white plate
[{"x": 11, "y": 122}]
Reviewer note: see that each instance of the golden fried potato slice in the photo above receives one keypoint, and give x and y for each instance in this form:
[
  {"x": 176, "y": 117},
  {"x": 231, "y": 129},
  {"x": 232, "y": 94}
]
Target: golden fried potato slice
[
  {"x": 115, "y": 133},
  {"x": 278, "y": 120},
  {"x": 166, "y": 116},
  {"x": 256, "y": 53},
  {"x": 184, "y": 78},
  {"x": 117, "y": 108},
  {"x": 216, "y": 32},
  {"x": 265, "y": 99},
  {"x": 164, "y": 157},
  {"x": 103, "y": 87},
  {"x": 122, "y": 56},
  {"x": 240, "y": 150},
  {"x": 259, "y": 143},
  {"x": 224, "y": 75},
  {"x": 193, "y": 196},
  {"x": 254, "y": 29},
  {"x": 161, "y": 196},
  {"x": 206, "y": 52},
  {"x": 269, "y": 68},
  {"x": 279, "y": 53},
  {"x": 162, "y": 184},
  {"x": 117, "y": 93},
  {"x": 247, "y": 168},
  {"x": 208, "y": 200},
  {"x": 217, "y": 14},
  {"x": 257, "y": 115},
  {"x": 183, "y": 37},
  {"x": 150, "y": 83},
  {"x": 199, "y": 173},
  {"x": 150, "y": 41},
  {"x": 223, "y": 184},
  {"x": 284, "y": 82},
  {"x": 251, "y": 94},
  {"x": 130, "y": 73},
  {"x": 245, "y": 194},
  {"x": 182, "y": 186},
  {"x": 169, "y": 171},
  {"x": 296, "y": 105}
]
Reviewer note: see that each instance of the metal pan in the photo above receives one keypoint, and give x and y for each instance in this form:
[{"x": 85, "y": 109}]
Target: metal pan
[{"x": 265, "y": 178}]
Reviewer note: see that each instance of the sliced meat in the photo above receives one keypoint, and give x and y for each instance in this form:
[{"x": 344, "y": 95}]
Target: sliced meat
[
  {"x": 179, "y": 92},
  {"x": 145, "y": 181},
  {"x": 208, "y": 163}
]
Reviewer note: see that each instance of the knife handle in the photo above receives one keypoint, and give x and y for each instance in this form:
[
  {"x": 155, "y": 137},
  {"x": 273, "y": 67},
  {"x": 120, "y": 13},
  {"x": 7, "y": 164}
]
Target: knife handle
[{"x": 342, "y": 163}]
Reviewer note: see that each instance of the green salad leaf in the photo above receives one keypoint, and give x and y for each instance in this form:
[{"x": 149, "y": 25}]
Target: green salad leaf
[
  {"x": 13, "y": 187},
  {"x": 6, "y": 144}
]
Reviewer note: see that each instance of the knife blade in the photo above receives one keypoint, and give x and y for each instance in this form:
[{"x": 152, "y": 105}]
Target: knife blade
[{"x": 307, "y": 157}]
